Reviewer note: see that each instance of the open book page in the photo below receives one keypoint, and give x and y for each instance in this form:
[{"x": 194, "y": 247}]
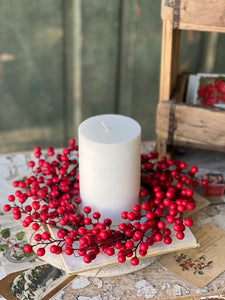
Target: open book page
[{"x": 74, "y": 263}]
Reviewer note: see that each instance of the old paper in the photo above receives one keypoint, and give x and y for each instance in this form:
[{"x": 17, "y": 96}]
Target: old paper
[{"x": 201, "y": 265}]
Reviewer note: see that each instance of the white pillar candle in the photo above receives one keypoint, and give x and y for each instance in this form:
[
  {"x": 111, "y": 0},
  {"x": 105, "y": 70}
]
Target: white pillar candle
[{"x": 109, "y": 164}]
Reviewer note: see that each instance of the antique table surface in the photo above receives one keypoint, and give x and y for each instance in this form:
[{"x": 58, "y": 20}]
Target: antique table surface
[{"x": 153, "y": 281}]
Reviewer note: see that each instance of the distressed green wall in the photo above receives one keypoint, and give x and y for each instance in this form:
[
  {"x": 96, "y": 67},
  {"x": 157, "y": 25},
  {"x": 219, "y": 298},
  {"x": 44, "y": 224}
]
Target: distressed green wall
[{"x": 64, "y": 61}]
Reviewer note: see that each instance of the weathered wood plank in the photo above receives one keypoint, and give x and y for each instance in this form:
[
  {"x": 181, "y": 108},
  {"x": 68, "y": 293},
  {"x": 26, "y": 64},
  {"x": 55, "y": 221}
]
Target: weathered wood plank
[
  {"x": 206, "y": 15},
  {"x": 140, "y": 63},
  {"x": 193, "y": 126},
  {"x": 99, "y": 56},
  {"x": 73, "y": 71}
]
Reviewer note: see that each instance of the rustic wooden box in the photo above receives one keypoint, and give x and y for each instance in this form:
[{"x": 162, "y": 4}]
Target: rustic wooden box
[{"x": 178, "y": 123}]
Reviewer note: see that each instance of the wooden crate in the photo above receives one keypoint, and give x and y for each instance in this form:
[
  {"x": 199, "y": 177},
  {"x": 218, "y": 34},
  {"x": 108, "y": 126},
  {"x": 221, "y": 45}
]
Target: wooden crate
[{"x": 178, "y": 123}]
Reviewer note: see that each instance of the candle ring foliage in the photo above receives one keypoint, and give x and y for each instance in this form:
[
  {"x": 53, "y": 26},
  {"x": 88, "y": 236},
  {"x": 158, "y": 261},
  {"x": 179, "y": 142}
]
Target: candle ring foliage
[{"x": 50, "y": 196}]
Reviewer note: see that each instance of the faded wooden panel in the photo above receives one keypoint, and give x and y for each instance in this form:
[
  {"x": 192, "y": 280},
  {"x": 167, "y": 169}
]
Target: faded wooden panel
[
  {"x": 207, "y": 15},
  {"x": 99, "y": 56},
  {"x": 31, "y": 85},
  {"x": 140, "y": 63},
  {"x": 73, "y": 66},
  {"x": 193, "y": 126}
]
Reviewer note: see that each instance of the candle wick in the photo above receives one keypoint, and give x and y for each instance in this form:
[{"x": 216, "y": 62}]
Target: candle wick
[{"x": 105, "y": 126}]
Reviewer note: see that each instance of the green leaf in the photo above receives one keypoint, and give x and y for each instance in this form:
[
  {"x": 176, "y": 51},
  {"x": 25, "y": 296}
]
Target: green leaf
[
  {"x": 18, "y": 257},
  {"x": 4, "y": 247},
  {"x": 20, "y": 235},
  {"x": 5, "y": 233},
  {"x": 200, "y": 272}
]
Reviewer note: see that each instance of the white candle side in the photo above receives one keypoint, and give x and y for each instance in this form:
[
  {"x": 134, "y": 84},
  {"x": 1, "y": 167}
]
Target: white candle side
[{"x": 109, "y": 164}]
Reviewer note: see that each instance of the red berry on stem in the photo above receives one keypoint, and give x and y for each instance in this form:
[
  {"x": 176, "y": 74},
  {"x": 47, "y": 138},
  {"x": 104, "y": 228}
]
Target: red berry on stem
[
  {"x": 11, "y": 198},
  {"x": 41, "y": 251},
  {"x": 87, "y": 209},
  {"x": 188, "y": 222},
  {"x": 180, "y": 235},
  {"x": 28, "y": 248},
  {"x": 121, "y": 258},
  {"x": 194, "y": 170},
  {"x": 87, "y": 259},
  {"x": 6, "y": 207},
  {"x": 167, "y": 240},
  {"x": 134, "y": 261}
]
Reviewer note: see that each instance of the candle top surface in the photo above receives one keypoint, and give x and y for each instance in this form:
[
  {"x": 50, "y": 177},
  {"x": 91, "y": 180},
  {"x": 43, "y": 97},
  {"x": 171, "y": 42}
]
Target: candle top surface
[{"x": 110, "y": 129}]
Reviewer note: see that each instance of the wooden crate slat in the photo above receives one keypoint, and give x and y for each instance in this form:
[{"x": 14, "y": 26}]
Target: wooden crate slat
[
  {"x": 204, "y": 128},
  {"x": 207, "y": 15}
]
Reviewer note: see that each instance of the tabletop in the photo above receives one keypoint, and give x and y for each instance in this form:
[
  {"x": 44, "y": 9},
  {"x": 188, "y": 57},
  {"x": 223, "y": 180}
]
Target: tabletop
[{"x": 151, "y": 281}]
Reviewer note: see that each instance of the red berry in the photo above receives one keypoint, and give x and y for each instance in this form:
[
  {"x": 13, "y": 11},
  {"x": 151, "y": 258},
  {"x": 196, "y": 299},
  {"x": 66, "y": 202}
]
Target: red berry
[
  {"x": 87, "y": 221},
  {"x": 136, "y": 208},
  {"x": 194, "y": 170},
  {"x": 170, "y": 219},
  {"x": 181, "y": 208},
  {"x": 27, "y": 248},
  {"x": 87, "y": 209},
  {"x": 130, "y": 216},
  {"x": 35, "y": 226},
  {"x": 143, "y": 192},
  {"x": 128, "y": 232},
  {"x": 15, "y": 183},
  {"x": 137, "y": 235},
  {"x": 108, "y": 221},
  {"x": 134, "y": 261},
  {"x": 144, "y": 227},
  {"x": 167, "y": 240},
  {"x": 53, "y": 249},
  {"x": 69, "y": 240},
  {"x": 121, "y": 258},
  {"x": 190, "y": 206},
  {"x": 45, "y": 235},
  {"x": 189, "y": 193},
  {"x": 104, "y": 234},
  {"x": 69, "y": 250},
  {"x": 41, "y": 251},
  {"x": 129, "y": 244},
  {"x": 167, "y": 231},
  {"x": 149, "y": 241},
  {"x": 83, "y": 241},
  {"x": 166, "y": 202},
  {"x": 183, "y": 165},
  {"x": 11, "y": 198},
  {"x": 158, "y": 237},
  {"x": 143, "y": 247},
  {"x": 161, "y": 224},
  {"x": 35, "y": 205},
  {"x": 61, "y": 233},
  {"x": 96, "y": 215},
  {"x": 87, "y": 259},
  {"x": 110, "y": 251},
  {"x": 180, "y": 235},
  {"x": 7, "y": 207},
  {"x": 205, "y": 182},
  {"x": 37, "y": 237},
  {"x": 118, "y": 244},
  {"x": 31, "y": 163},
  {"x": 188, "y": 222}
]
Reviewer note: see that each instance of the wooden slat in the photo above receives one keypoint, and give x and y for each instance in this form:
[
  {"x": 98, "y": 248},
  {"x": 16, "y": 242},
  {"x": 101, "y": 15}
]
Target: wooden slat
[
  {"x": 166, "y": 60},
  {"x": 193, "y": 126},
  {"x": 206, "y": 15},
  {"x": 99, "y": 56},
  {"x": 73, "y": 70}
]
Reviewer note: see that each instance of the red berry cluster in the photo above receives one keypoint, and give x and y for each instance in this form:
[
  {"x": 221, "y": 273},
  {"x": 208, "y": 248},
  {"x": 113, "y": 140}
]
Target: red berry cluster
[
  {"x": 212, "y": 93},
  {"x": 53, "y": 189}
]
